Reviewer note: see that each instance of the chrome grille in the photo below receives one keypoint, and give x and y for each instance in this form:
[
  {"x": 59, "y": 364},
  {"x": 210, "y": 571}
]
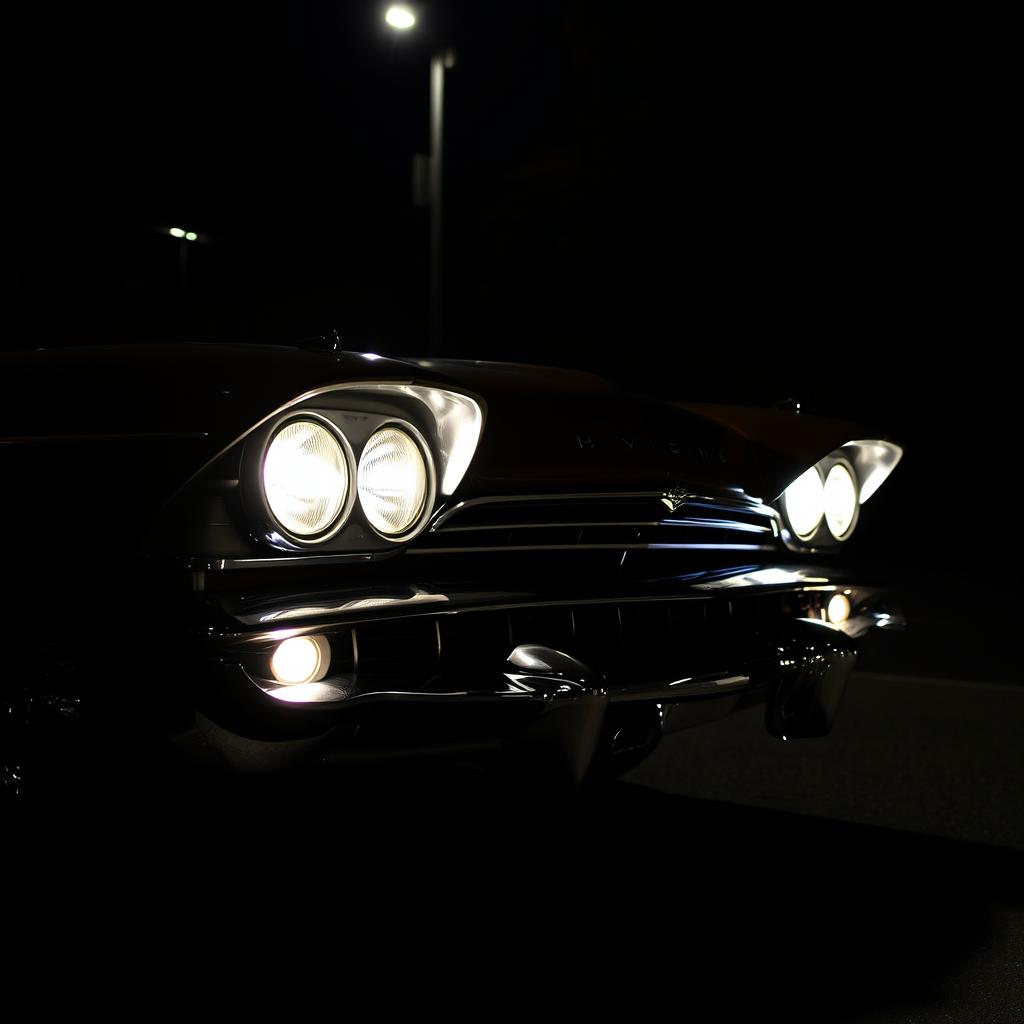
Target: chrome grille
[
  {"x": 621, "y": 639},
  {"x": 602, "y": 521}
]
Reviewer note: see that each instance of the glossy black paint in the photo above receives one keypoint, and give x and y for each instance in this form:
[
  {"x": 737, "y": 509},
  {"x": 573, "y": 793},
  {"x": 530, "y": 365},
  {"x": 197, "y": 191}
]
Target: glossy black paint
[
  {"x": 205, "y": 397},
  {"x": 625, "y": 537}
]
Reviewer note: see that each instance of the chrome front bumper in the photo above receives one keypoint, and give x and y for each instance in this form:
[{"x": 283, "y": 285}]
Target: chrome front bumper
[{"x": 722, "y": 640}]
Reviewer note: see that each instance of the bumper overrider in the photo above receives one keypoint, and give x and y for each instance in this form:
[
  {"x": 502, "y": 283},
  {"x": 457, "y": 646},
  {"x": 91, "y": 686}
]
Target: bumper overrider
[{"x": 558, "y": 678}]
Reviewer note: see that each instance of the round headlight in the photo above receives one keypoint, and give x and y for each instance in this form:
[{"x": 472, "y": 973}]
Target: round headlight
[
  {"x": 841, "y": 500},
  {"x": 305, "y": 478},
  {"x": 392, "y": 481},
  {"x": 805, "y": 503}
]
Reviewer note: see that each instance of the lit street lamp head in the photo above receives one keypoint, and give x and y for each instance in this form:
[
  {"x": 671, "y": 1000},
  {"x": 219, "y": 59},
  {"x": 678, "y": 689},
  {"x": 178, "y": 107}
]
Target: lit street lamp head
[{"x": 400, "y": 17}]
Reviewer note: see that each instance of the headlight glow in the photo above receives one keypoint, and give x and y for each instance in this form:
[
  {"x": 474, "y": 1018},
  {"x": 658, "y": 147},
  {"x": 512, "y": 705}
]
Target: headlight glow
[
  {"x": 392, "y": 481},
  {"x": 305, "y": 478},
  {"x": 841, "y": 500},
  {"x": 301, "y": 659},
  {"x": 804, "y": 499},
  {"x": 838, "y": 609}
]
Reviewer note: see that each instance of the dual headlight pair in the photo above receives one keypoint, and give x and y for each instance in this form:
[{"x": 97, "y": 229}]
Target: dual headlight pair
[
  {"x": 307, "y": 482},
  {"x": 815, "y": 495}
]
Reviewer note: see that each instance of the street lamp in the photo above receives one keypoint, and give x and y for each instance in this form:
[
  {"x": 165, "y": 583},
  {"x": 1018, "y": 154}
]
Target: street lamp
[
  {"x": 402, "y": 18},
  {"x": 184, "y": 236}
]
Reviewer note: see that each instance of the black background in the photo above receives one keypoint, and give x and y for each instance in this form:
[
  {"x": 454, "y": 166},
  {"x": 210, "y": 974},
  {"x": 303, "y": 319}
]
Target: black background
[
  {"x": 706, "y": 203},
  {"x": 819, "y": 196}
]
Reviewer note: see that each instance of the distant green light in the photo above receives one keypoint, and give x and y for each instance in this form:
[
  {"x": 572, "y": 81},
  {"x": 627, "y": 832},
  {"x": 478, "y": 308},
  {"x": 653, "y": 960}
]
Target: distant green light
[
  {"x": 178, "y": 232},
  {"x": 191, "y": 236}
]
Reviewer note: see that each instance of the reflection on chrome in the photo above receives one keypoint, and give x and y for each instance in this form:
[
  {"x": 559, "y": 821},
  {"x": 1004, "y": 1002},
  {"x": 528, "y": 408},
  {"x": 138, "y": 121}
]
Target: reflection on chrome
[
  {"x": 355, "y": 605},
  {"x": 528, "y": 684},
  {"x": 459, "y": 421},
  {"x": 711, "y": 682},
  {"x": 531, "y": 657},
  {"x": 874, "y": 461},
  {"x": 770, "y": 577},
  {"x": 305, "y": 693},
  {"x": 536, "y": 658}
]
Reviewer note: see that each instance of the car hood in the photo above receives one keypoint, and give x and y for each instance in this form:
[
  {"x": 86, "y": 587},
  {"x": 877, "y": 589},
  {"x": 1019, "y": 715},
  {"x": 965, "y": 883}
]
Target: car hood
[{"x": 545, "y": 429}]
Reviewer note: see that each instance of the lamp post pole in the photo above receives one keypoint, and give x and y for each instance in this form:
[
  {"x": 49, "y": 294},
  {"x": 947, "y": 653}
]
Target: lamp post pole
[
  {"x": 402, "y": 18},
  {"x": 439, "y": 63},
  {"x": 185, "y": 238}
]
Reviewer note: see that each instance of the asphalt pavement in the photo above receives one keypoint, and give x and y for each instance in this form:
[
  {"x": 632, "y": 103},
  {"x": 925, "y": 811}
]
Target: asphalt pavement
[
  {"x": 873, "y": 875},
  {"x": 894, "y": 845}
]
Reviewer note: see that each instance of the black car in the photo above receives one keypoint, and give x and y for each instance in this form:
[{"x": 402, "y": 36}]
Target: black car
[{"x": 265, "y": 559}]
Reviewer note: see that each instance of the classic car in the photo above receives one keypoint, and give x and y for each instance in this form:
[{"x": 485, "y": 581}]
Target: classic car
[{"x": 268, "y": 558}]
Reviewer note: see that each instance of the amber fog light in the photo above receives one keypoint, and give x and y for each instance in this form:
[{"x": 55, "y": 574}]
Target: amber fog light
[{"x": 301, "y": 659}]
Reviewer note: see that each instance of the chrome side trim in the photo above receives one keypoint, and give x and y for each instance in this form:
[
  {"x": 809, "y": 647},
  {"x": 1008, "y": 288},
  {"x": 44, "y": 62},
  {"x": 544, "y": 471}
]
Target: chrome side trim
[
  {"x": 203, "y": 564},
  {"x": 690, "y": 686},
  {"x": 217, "y": 564},
  {"x": 591, "y": 547}
]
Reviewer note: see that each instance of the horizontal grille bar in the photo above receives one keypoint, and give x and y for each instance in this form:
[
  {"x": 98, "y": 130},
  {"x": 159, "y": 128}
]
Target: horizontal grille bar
[
  {"x": 621, "y": 640},
  {"x": 602, "y": 522},
  {"x": 698, "y": 523}
]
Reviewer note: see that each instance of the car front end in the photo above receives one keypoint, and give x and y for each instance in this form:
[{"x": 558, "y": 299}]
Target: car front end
[{"x": 475, "y": 560}]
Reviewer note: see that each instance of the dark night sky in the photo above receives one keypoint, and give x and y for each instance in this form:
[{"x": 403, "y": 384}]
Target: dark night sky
[
  {"x": 750, "y": 207},
  {"x": 706, "y": 205}
]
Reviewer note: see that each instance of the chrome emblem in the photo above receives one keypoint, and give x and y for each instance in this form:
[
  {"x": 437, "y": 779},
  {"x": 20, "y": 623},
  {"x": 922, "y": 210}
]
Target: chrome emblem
[{"x": 674, "y": 498}]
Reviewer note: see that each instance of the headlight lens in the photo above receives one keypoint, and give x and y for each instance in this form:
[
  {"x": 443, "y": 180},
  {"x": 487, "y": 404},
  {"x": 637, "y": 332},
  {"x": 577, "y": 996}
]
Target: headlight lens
[
  {"x": 305, "y": 478},
  {"x": 841, "y": 500},
  {"x": 805, "y": 503},
  {"x": 392, "y": 481},
  {"x": 301, "y": 659},
  {"x": 838, "y": 609}
]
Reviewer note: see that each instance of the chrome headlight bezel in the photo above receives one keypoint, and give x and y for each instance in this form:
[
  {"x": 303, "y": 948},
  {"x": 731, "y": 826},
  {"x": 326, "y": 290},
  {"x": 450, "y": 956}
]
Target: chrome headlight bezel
[
  {"x": 868, "y": 463},
  {"x": 446, "y": 427},
  {"x": 341, "y": 518}
]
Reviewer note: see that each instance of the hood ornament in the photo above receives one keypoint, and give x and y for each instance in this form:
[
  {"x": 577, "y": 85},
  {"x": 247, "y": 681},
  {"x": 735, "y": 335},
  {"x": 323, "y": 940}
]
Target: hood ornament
[{"x": 674, "y": 498}]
